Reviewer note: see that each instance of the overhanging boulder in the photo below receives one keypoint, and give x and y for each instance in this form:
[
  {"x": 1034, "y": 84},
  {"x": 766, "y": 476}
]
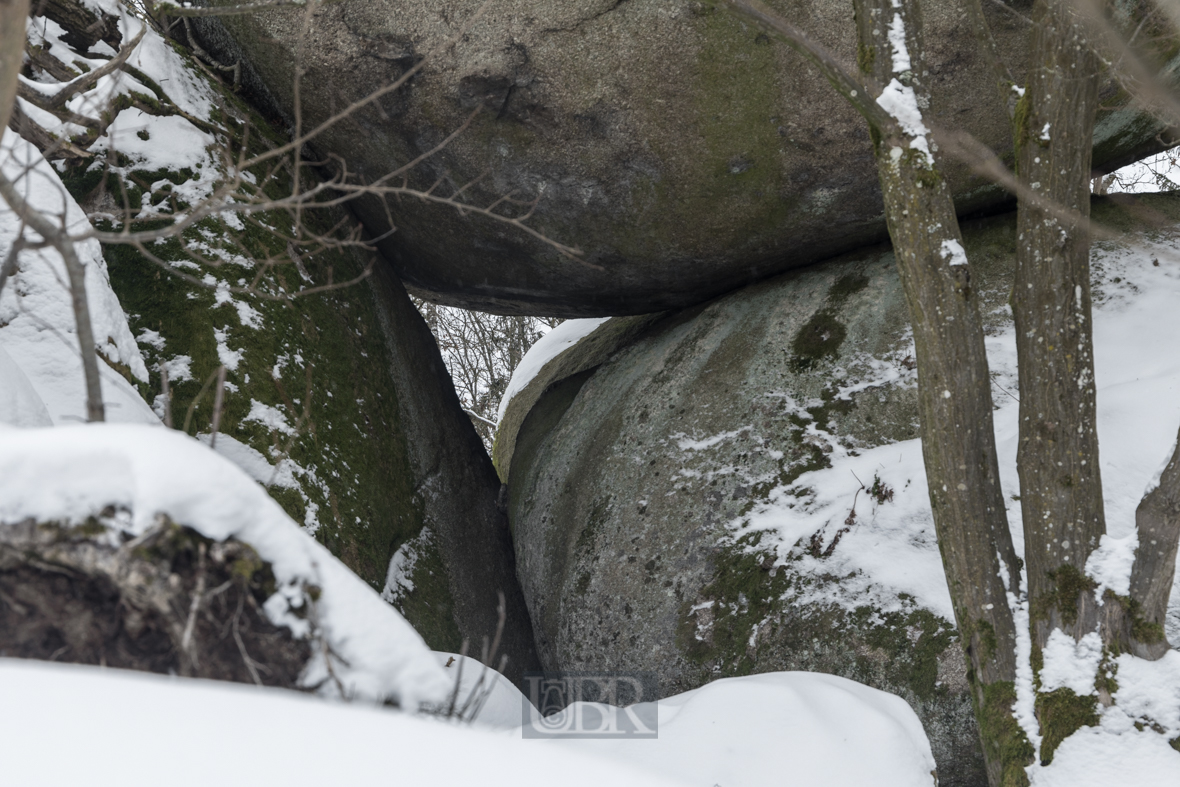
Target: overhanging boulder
[{"x": 684, "y": 151}]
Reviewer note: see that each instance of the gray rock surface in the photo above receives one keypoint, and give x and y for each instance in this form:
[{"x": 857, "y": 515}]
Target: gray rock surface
[
  {"x": 623, "y": 544},
  {"x": 684, "y": 151},
  {"x": 632, "y": 454}
]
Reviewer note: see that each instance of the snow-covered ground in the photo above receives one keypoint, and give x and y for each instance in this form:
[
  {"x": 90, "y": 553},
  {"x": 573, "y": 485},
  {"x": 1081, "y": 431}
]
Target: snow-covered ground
[
  {"x": 65, "y": 724},
  {"x": 38, "y": 341}
]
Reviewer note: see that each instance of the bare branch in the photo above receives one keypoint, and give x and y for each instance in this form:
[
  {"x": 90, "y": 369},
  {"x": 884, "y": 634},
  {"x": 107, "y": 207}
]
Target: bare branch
[
  {"x": 60, "y": 240},
  {"x": 172, "y": 9}
]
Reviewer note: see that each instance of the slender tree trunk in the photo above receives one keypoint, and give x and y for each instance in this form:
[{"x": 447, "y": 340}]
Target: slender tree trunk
[
  {"x": 13, "y": 14},
  {"x": 954, "y": 387},
  {"x": 1060, "y": 484},
  {"x": 1057, "y": 459},
  {"x": 1158, "y": 521}
]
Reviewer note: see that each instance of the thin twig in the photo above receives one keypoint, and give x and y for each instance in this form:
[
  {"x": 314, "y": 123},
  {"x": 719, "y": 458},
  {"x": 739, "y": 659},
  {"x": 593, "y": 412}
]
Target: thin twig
[{"x": 218, "y": 400}]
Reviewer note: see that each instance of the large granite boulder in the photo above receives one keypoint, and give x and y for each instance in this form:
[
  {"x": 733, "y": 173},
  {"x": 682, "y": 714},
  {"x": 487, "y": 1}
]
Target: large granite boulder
[
  {"x": 737, "y": 488},
  {"x": 684, "y": 151}
]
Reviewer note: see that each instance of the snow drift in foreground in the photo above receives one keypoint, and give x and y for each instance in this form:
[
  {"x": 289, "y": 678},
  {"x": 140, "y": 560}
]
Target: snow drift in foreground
[
  {"x": 69, "y": 473},
  {"x": 801, "y": 729},
  {"x": 67, "y": 724}
]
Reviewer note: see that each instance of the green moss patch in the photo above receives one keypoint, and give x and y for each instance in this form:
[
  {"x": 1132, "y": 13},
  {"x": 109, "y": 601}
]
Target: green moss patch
[
  {"x": 308, "y": 384},
  {"x": 1061, "y": 713}
]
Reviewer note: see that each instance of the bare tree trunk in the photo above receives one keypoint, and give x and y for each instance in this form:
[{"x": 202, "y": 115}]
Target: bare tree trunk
[
  {"x": 1158, "y": 520},
  {"x": 13, "y": 14},
  {"x": 1060, "y": 484},
  {"x": 954, "y": 388}
]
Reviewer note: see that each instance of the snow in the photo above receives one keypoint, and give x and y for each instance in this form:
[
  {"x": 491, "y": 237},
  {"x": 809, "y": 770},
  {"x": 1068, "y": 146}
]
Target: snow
[
  {"x": 953, "y": 253},
  {"x": 892, "y": 548},
  {"x": 687, "y": 443},
  {"x": 899, "y": 99},
  {"x": 900, "y": 102},
  {"x": 37, "y": 328},
  {"x": 253, "y": 462},
  {"x": 180, "y": 82},
  {"x": 125, "y": 729},
  {"x": 179, "y": 368},
  {"x": 68, "y": 473},
  {"x": 229, "y": 358},
  {"x": 401, "y": 567},
  {"x": 797, "y": 728},
  {"x": 498, "y": 705},
  {"x": 1117, "y": 750},
  {"x": 1071, "y": 664},
  {"x": 20, "y": 405},
  {"x": 901, "y": 54},
  {"x": 270, "y": 417},
  {"x": 543, "y": 351},
  {"x": 816, "y": 730}
]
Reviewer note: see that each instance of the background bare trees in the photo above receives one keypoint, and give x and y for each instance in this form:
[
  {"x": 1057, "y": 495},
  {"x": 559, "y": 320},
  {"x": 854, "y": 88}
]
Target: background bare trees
[{"x": 481, "y": 351}]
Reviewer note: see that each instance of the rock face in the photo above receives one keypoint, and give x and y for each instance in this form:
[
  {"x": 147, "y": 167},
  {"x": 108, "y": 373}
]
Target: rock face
[
  {"x": 663, "y": 520},
  {"x": 684, "y": 151},
  {"x": 337, "y": 402},
  {"x": 682, "y": 431}
]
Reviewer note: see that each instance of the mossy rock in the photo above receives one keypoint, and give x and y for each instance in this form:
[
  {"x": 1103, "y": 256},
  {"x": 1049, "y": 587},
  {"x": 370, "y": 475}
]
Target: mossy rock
[
  {"x": 337, "y": 401},
  {"x": 683, "y": 150},
  {"x": 630, "y": 468}
]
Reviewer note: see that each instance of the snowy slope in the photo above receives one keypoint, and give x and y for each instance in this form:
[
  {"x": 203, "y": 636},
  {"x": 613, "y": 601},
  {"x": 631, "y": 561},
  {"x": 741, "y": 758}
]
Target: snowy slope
[{"x": 37, "y": 330}]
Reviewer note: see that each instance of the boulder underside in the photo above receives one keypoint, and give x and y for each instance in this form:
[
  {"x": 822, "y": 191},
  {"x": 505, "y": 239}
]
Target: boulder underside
[{"x": 681, "y": 149}]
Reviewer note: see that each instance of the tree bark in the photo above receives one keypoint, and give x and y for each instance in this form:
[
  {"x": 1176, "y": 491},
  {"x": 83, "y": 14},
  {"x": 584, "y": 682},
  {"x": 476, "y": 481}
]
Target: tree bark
[
  {"x": 1057, "y": 460},
  {"x": 954, "y": 391},
  {"x": 13, "y": 14},
  {"x": 1158, "y": 521}
]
